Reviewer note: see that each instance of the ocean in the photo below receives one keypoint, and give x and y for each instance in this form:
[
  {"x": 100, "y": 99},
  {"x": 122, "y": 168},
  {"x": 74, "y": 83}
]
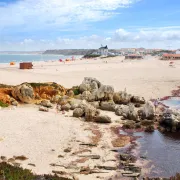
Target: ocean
[{"x": 7, "y": 58}]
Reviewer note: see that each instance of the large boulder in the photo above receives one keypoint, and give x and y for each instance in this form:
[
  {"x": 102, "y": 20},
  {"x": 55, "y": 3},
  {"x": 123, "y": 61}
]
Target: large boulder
[
  {"x": 24, "y": 93},
  {"x": 89, "y": 84},
  {"x": 78, "y": 112},
  {"x": 170, "y": 121},
  {"x": 108, "y": 106},
  {"x": 103, "y": 119}
]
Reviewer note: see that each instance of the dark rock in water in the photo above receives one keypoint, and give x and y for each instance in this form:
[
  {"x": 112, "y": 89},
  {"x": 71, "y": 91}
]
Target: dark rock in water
[
  {"x": 170, "y": 121},
  {"x": 149, "y": 128}
]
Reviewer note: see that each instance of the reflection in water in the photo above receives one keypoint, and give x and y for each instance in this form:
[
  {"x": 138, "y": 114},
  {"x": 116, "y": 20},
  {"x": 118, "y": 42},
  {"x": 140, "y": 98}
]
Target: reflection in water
[{"x": 163, "y": 150}]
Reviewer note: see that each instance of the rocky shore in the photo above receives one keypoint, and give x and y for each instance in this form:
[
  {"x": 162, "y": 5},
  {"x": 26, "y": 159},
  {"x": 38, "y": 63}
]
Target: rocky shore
[{"x": 102, "y": 111}]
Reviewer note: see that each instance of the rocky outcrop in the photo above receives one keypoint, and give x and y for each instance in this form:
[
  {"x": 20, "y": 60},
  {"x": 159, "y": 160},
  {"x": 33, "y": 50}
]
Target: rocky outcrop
[
  {"x": 24, "y": 93},
  {"x": 130, "y": 113}
]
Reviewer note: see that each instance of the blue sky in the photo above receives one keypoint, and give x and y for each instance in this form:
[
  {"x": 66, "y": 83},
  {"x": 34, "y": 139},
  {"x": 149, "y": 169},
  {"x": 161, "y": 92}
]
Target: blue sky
[{"x": 55, "y": 24}]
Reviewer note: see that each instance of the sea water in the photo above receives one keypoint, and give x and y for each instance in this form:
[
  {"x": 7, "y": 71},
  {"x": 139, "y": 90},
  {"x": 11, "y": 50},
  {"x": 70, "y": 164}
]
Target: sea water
[{"x": 7, "y": 58}]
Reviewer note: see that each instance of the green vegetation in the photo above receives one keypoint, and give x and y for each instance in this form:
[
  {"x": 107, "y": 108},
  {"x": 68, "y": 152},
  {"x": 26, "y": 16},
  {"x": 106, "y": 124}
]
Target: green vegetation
[
  {"x": 91, "y": 56},
  {"x": 76, "y": 90},
  {"x": 34, "y": 85},
  {"x": 16, "y": 173},
  {"x": 3, "y": 104}
]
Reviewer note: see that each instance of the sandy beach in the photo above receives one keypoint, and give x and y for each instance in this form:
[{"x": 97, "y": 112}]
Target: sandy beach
[
  {"x": 150, "y": 77},
  {"x": 42, "y": 137}
]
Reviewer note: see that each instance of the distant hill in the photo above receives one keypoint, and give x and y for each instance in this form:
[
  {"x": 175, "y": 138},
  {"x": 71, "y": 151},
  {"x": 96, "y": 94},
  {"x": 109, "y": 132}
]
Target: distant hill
[{"x": 69, "y": 52}]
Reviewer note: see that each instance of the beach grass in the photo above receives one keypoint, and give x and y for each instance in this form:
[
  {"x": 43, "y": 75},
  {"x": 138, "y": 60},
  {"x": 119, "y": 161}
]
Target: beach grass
[
  {"x": 3, "y": 104},
  {"x": 10, "y": 172}
]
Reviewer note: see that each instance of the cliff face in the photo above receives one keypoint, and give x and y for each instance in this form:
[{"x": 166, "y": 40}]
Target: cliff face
[{"x": 69, "y": 52}]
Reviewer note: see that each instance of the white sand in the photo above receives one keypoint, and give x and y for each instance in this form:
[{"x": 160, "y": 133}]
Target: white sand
[{"x": 26, "y": 131}]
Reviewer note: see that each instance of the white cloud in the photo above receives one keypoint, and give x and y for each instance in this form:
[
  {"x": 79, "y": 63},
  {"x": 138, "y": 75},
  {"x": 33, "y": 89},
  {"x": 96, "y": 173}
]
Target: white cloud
[
  {"x": 37, "y": 14},
  {"x": 156, "y": 38}
]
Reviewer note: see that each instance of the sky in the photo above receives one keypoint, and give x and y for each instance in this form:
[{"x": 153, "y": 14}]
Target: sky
[{"x": 37, "y": 25}]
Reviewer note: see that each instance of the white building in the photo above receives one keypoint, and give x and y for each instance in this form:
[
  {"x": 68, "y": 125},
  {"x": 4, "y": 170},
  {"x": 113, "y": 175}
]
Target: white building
[
  {"x": 178, "y": 51},
  {"x": 103, "y": 51}
]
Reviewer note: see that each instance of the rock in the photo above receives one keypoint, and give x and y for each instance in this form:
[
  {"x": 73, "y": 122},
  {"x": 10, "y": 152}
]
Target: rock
[
  {"x": 56, "y": 98},
  {"x": 14, "y": 103},
  {"x": 86, "y": 95},
  {"x": 119, "y": 111},
  {"x": 24, "y": 93},
  {"x": 127, "y": 157},
  {"x": 66, "y": 107},
  {"x": 108, "y": 106},
  {"x": 122, "y": 97},
  {"x": 130, "y": 113},
  {"x": 78, "y": 112},
  {"x": 170, "y": 121},
  {"x": 149, "y": 129},
  {"x": 75, "y": 103},
  {"x": 103, "y": 119},
  {"x": 91, "y": 113},
  {"x": 67, "y": 150},
  {"x": 148, "y": 111},
  {"x": 147, "y": 122},
  {"x": 105, "y": 92},
  {"x": 70, "y": 93},
  {"x": 110, "y": 168},
  {"x": 46, "y": 103},
  {"x": 63, "y": 100},
  {"x": 89, "y": 84},
  {"x": 92, "y": 81},
  {"x": 95, "y": 104},
  {"x": 44, "y": 109},
  {"x": 137, "y": 99},
  {"x": 129, "y": 125}
]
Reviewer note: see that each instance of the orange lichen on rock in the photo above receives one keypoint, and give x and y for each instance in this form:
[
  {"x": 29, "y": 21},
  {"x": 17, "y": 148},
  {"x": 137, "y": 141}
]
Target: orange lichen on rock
[{"x": 5, "y": 94}]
